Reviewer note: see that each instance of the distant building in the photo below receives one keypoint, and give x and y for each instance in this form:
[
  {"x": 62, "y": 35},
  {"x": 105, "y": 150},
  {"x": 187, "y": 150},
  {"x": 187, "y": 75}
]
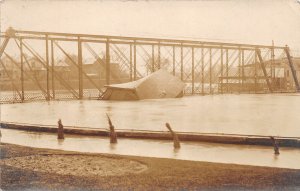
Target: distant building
[
  {"x": 279, "y": 75},
  {"x": 35, "y": 68},
  {"x": 97, "y": 70}
]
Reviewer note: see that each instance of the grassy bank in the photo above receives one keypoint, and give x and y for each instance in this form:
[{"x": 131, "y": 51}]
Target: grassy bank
[{"x": 161, "y": 174}]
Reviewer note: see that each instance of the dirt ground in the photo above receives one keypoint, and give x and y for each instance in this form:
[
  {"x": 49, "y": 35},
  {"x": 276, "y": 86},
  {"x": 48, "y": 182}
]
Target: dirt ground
[{"x": 24, "y": 168}]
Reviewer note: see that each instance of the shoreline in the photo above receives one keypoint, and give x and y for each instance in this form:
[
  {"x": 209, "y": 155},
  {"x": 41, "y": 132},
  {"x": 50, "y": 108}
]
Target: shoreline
[{"x": 157, "y": 173}]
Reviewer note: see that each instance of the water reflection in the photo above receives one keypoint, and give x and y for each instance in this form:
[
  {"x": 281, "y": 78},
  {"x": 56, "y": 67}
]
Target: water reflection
[
  {"x": 276, "y": 157},
  {"x": 60, "y": 142},
  {"x": 176, "y": 152},
  {"x": 113, "y": 146}
]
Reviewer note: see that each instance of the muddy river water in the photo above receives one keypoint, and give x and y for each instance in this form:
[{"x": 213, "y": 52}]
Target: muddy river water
[
  {"x": 259, "y": 114},
  {"x": 276, "y": 115}
]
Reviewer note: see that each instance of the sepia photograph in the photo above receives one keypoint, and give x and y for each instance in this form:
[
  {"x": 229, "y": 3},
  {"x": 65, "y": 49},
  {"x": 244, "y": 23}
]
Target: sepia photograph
[{"x": 149, "y": 95}]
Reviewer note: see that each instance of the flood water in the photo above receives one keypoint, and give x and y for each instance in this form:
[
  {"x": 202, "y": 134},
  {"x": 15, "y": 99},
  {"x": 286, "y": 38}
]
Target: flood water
[
  {"x": 211, "y": 152},
  {"x": 257, "y": 114}
]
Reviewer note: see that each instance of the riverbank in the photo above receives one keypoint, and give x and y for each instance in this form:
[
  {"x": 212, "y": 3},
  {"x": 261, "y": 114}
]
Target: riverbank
[{"x": 130, "y": 172}]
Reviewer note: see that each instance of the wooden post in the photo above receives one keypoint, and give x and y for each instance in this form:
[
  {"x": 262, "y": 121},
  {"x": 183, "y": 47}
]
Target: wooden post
[
  {"x": 175, "y": 137},
  {"x": 275, "y": 145},
  {"x": 112, "y": 133},
  {"x": 60, "y": 130}
]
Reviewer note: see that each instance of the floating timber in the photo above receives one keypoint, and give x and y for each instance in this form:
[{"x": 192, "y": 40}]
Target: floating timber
[{"x": 163, "y": 135}]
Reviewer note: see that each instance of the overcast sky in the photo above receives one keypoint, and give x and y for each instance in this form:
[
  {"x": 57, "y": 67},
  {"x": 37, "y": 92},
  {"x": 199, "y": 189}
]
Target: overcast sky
[{"x": 245, "y": 21}]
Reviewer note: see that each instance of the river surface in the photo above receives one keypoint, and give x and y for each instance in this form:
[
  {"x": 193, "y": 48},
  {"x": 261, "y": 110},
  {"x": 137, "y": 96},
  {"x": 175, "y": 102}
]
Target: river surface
[{"x": 257, "y": 114}]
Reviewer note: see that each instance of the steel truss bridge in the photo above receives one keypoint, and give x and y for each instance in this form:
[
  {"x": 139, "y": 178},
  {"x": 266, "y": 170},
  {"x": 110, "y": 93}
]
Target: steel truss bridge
[{"x": 49, "y": 66}]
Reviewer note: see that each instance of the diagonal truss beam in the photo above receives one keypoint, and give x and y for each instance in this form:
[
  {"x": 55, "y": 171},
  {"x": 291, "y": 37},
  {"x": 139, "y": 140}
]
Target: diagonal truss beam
[
  {"x": 32, "y": 77},
  {"x": 11, "y": 79},
  {"x": 100, "y": 61},
  {"x": 294, "y": 73},
  {"x": 59, "y": 78},
  {"x": 120, "y": 53},
  {"x": 258, "y": 53},
  {"x": 3, "y": 46},
  {"x": 75, "y": 64}
]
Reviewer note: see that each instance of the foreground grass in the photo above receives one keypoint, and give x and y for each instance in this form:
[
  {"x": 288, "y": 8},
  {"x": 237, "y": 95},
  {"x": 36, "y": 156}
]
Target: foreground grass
[{"x": 162, "y": 174}]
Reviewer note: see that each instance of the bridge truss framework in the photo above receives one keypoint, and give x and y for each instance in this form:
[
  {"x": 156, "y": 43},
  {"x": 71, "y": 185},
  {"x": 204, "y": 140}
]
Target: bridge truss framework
[{"x": 205, "y": 67}]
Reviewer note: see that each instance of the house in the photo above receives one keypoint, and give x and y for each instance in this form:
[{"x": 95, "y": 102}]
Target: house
[{"x": 97, "y": 70}]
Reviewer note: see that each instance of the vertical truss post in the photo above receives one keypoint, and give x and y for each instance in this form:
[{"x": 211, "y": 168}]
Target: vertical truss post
[
  {"x": 47, "y": 68},
  {"x": 243, "y": 71},
  {"x": 239, "y": 70},
  {"x": 80, "y": 80},
  {"x": 181, "y": 62},
  {"x": 153, "y": 60},
  {"x": 210, "y": 65},
  {"x": 227, "y": 71},
  {"x": 264, "y": 69},
  {"x": 202, "y": 70},
  {"x": 22, "y": 70},
  {"x": 272, "y": 61},
  {"x": 193, "y": 71},
  {"x": 158, "y": 62},
  {"x": 52, "y": 70},
  {"x": 255, "y": 72},
  {"x": 134, "y": 60},
  {"x": 173, "y": 60},
  {"x": 222, "y": 70},
  {"x": 107, "y": 61},
  {"x": 287, "y": 51},
  {"x": 130, "y": 63}
]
